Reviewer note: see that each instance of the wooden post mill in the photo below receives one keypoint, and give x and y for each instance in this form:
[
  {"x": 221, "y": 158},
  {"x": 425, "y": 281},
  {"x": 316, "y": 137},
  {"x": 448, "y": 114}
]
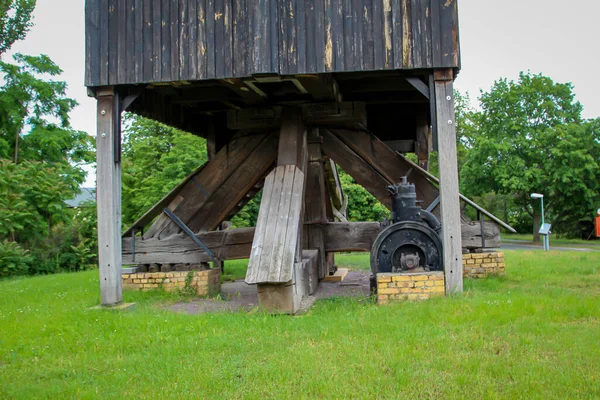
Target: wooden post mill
[{"x": 284, "y": 91}]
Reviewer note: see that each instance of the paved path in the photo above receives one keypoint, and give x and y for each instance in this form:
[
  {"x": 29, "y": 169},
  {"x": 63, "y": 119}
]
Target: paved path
[{"x": 516, "y": 244}]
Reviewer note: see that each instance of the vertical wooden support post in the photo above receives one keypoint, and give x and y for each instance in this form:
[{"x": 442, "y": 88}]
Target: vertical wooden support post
[
  {"x": 315, "y": 200},
  {"x": 449, "y": 192},
  {"x": 423, "y": 143},
  {"x": 211, "y": 142},
  {"x": 211, "y": 152},
  {"x": 108, "y": 189}
]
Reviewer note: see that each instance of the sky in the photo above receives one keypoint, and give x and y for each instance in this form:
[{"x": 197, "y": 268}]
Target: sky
[{"x": 498, "y": 39}]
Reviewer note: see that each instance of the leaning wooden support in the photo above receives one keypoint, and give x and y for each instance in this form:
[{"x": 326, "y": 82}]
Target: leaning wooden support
[
  {"x": 276, "y": 250},
  {"x": 277, "y": 229},
  {"x": 209, "y": 197},
  {"x": 449, "y": 193},
  {"x": 108, "y": 181}
]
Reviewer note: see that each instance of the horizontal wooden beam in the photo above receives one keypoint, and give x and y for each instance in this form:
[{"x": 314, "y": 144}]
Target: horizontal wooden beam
[
  {"x": 331, "y": 114},
  {"x": 235, "y": 244},
  {"x": 231, "y": 244}
]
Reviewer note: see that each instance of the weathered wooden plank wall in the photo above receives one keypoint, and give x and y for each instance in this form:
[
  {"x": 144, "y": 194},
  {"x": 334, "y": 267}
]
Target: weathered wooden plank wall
[{"x": 142, "y": 41}]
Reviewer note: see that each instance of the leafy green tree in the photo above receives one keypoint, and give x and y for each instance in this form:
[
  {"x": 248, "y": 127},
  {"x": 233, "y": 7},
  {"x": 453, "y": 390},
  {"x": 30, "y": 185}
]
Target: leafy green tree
[
  {"x": 40, "y": 154},
  {"x": 362, "y": 205},
  {"x": 156, "y": 158},
  {"x": 530, "y": 137},
  {"x": 15, "y": 21}
]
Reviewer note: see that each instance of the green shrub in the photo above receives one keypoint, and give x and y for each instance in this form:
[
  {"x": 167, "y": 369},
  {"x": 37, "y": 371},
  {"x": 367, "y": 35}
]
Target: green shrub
[
  {"x": 14, "y": 260},
  {"x": 71, "y": 246}
]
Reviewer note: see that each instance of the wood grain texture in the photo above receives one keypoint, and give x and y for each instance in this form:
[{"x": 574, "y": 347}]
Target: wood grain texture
[
  {"x": 385, "y": 161},
  {"x": 471, "y": 235},
  {"x": 274, "y": 248},
  {"x": 200, "y": 186},
  {"x": 315, "y": 214},
  {"x": 356, "y": 167},
  {"x": 449, "y": 193},
  {"x": 108, "y": 180},
  {"x": 207, "y": 39},
  {"x": 235, "y": 244},
  {"x": 231, "y": 244},
  {"x": 350, "y": 236}
]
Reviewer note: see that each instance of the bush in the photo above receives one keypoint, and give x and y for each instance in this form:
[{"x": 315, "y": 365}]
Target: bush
[
  {"x": 14, "y": 260},
  {"x": 71, "y": 246}
]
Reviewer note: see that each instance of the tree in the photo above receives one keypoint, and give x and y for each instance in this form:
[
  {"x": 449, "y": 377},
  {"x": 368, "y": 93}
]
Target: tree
[
  {"x": 40, "y": 154},
  {"x": 526, "y": 133},
  {"x": 156, "y": 158},
  {"x": 15, "y": 21}
]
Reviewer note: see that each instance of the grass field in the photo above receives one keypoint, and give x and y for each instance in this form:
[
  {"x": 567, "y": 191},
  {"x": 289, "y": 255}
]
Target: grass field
[{"x": 533, "y": 334}]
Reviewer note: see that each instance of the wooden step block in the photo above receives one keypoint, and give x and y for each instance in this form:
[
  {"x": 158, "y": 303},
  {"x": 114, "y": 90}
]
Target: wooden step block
[{"x": 339, "y": 275}]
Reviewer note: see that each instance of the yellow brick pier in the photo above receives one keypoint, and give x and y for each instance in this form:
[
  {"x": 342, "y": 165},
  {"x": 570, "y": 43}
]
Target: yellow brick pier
[
  {"x": 415, "y": 286},
  {"x": 205, "y": 283},
  {"x": 482, "y": 265}
]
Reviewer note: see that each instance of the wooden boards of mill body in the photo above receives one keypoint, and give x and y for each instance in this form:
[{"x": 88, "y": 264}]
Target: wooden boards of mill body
[{"x": 275, "y": 245}]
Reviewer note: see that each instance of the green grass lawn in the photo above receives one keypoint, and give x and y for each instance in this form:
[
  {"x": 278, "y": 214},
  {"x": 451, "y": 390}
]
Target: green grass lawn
[{"x": 533, "y": 334}]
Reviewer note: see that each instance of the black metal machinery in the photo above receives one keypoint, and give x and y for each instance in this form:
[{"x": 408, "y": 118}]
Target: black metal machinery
[{"x": 412, "y": 242}]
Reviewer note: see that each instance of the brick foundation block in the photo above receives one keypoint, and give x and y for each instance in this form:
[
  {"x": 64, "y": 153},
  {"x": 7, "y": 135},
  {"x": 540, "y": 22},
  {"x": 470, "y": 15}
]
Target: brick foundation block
[{"x": 394, "y": 287}]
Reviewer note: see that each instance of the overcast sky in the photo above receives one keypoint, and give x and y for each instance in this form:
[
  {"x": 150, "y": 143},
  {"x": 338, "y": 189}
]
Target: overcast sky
[{"x": 498, "y": 39}]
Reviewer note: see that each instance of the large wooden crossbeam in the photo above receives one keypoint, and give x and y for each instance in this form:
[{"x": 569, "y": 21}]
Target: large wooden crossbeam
[
  {"x": 385, "y": 162},
  {"x": 213, "y": 191},
  {"x": 236, "y": 244}
]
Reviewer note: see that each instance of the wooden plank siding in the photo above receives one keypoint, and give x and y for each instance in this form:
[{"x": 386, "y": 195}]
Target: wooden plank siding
[{"x": 141, "y": 41}]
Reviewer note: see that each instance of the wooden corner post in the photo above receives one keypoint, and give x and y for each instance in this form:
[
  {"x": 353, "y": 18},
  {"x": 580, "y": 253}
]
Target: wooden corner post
[
  {"x": 449, "y": 192},
  {"x": 108, "y": 193}
]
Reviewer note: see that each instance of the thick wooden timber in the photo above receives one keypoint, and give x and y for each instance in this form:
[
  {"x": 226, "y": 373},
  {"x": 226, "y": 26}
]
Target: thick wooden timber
[
  {"x": 322, "y": 114},
  {"x": 195, "y": 190},
  {"x": 278, "y": 227},
  {"x": 230, "y": 244},
  {"x": 363, "y": 173},
  {"x": 315, "y": 202},
  {"x": 277, "y": 246},
  {"x": 332, "y": 178},
  {"x": 423, "y": 142},
  {"x": 210, "y": 196},
  {"x": 236, "y": 244},
  {"x": 449, "y": 192},
  {"x": 385, "y": 161},
  {"x": 471, "y": 235},
  {"x": 234, "y": 190},
  {"x": 350, "y": 236},
  {"x": 108, "y": 176},
  {"x": 287, "y": 298}
]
